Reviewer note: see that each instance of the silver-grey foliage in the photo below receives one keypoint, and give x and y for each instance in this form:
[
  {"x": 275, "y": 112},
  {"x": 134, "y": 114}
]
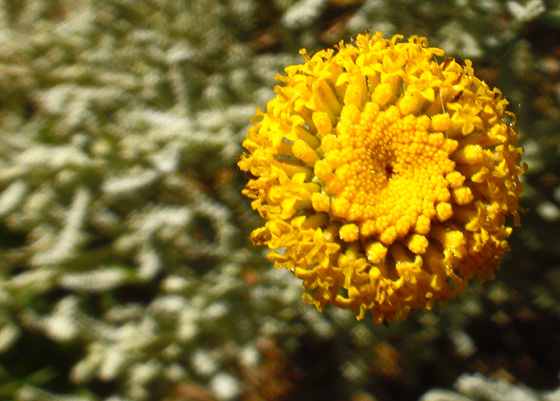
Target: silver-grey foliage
[{"x": 478, "y": 388}]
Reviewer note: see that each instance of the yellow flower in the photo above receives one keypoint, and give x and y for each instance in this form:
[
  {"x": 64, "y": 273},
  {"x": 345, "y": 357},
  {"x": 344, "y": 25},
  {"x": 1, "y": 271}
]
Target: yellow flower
[{"x": 385, "y": 177}]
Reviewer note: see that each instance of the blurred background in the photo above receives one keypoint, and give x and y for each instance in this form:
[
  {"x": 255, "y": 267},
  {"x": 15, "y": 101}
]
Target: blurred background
[{"x": 126, "y": 272}]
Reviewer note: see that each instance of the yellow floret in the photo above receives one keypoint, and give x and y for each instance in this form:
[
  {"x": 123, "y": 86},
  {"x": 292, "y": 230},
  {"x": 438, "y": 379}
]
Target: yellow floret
[
  {"x": 322, "y": 122},
  {"x": 382, "y": 94},
  {"x": 303, "y": 151},
  {"x": 349, "y": 233},
  {"x": 321, "y": 202}
]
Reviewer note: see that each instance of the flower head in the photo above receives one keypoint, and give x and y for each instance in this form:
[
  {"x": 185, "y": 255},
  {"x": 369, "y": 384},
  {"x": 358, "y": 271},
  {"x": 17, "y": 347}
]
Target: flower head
[{"x": 385, "y": 177}]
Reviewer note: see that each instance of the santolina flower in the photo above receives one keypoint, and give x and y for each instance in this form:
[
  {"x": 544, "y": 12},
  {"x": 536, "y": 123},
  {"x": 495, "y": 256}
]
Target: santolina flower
[{"x": 384, "y": 175}]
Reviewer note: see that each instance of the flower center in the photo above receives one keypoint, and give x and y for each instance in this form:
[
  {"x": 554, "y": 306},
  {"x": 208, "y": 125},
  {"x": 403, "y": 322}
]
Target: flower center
[{"x": 388, "y": 172}]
